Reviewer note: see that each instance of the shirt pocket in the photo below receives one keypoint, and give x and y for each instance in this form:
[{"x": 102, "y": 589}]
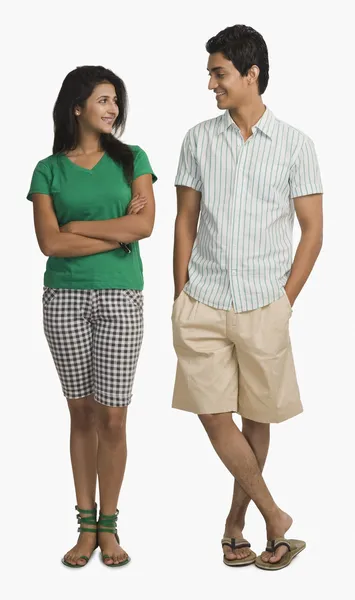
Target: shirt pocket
[{"x": 279, "y": 176}]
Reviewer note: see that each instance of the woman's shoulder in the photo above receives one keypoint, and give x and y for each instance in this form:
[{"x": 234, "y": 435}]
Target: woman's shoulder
[
  {"x": 139, "y": 154},
  {"x": 135, "y": 149},
  {"x": 49, "y": 162}
]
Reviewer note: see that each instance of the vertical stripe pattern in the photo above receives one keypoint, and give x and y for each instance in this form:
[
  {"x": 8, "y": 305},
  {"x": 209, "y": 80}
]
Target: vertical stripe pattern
[{"x": 242, "y": 254}]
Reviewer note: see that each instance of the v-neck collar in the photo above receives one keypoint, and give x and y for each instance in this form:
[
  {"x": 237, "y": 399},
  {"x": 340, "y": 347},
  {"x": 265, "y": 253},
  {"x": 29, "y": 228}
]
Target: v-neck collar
[{"x": 68, "y": 160}]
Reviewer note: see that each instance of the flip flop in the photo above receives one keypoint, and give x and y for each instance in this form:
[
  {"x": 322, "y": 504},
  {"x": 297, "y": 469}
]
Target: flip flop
[
  {"x": 294, "y": 547},
  {"x": 236, "y": 544}
]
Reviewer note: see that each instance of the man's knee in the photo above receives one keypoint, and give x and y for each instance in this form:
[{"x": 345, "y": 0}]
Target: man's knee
[
  {"x": 253, "y": 428},
  {"x": 214, "y": 423}
]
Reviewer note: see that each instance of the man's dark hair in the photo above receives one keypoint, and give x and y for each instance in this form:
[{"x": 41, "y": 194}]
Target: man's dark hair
[{"x": 245, "y": 47}]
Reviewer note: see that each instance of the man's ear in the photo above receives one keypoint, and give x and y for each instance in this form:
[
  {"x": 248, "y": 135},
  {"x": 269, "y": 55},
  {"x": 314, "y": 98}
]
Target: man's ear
[{"x": 253, "y": 74}]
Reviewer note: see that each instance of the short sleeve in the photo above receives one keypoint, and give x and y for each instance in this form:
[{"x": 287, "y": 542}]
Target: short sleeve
[
  {"x": 188, "y": 172},
  {"x": 142, "y": 165},
  {"x": 305, "y": 176},
  {"x": 41, "y": 181}
]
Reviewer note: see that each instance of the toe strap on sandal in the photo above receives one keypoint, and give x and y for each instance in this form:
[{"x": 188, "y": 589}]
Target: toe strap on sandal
[
  {"x": 86, "y": 558},
  {"x": 235, "y": 543},
  {"x": 273, "y": 545}
]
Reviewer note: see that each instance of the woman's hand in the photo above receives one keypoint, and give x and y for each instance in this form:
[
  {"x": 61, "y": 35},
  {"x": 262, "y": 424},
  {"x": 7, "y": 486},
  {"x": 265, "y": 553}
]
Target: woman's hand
[
  {"x": 68, "y": 227},
  {"x": 136, "y": 204}
]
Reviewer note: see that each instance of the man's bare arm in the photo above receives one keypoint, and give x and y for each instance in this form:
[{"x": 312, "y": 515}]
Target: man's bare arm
[
  {"x": 62, "y": 245},
  {"x": 309, "y": 211},
  {"x": 188, "y": 211}
]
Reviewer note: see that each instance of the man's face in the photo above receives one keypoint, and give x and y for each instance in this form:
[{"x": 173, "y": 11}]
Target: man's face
[{"x": 230, "y": 87}]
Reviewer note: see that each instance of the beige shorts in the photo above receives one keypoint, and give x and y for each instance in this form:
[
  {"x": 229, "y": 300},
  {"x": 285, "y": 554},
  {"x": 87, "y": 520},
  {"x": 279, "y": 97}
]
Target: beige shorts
[{"x": 235, "y": 362}]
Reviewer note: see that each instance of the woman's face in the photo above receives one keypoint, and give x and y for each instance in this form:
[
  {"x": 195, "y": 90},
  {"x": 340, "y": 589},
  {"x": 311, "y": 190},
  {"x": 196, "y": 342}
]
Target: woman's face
[{"x": 100, "y": 111}]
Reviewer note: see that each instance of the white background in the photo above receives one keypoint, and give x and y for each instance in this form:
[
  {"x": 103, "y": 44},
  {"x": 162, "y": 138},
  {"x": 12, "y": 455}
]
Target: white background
[{"x": 176, "y": 493}]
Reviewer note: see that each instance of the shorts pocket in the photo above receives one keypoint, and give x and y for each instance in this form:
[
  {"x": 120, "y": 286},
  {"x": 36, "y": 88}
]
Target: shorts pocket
[
  {"x": 135, "y": 297},
  {"x": 179, "y": 296},
  {"x": 48, "y": 295},
  {"x": 176, "y": 301},
  {"x": 288, "y": 302}
]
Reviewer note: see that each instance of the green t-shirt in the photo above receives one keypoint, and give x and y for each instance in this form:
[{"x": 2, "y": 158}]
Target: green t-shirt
[{"x": 96, "y": 194}]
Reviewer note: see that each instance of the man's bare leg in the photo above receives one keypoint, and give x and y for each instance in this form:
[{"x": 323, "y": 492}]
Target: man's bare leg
[
  {"x": 258, "y": 438},
  {"x": 237, "y": 455}
]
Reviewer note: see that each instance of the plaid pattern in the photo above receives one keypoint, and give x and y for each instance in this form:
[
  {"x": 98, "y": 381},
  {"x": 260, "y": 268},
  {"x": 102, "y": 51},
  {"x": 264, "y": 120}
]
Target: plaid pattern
[{"x": 95, "y": 337}]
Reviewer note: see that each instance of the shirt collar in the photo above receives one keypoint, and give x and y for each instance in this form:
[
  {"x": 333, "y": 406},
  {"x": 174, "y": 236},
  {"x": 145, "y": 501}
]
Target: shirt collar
[{"x": 266, "y": 123}]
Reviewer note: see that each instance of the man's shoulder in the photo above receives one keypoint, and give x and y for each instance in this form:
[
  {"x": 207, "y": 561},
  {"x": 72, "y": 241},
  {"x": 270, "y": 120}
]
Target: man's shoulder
[
  {"x": 291, "y": 133},
  {"x": 210, "y": 126}
]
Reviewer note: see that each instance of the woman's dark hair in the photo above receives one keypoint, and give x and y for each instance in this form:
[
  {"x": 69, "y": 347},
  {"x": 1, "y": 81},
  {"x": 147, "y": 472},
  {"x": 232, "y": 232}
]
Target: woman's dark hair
[
  {"x": 77, "y": 87},
  {"x": 245, "y": 47}
]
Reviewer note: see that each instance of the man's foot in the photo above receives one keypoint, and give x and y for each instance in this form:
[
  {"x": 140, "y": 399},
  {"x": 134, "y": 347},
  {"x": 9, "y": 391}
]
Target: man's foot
[
  {"x": 110, "y": 546},
  {"x": 234, "y": 531},
  {"x": 85, "y": 546},
  {"x": 276, "y": 528}
]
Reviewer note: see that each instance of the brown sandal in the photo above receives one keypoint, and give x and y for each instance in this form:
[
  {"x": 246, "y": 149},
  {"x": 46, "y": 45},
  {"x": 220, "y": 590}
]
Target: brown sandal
[
  {"x": 294, "y": 547},
  {"x": 236, "y": 544}
]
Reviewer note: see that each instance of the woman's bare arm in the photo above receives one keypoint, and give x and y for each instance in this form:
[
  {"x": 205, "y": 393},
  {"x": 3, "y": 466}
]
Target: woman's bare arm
[
  {"x": 127, "y": 229},
  {"x": 53, "y": 242}
]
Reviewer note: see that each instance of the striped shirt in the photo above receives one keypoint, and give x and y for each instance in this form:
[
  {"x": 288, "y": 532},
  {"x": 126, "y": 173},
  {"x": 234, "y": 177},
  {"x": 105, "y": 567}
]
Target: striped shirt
[{"x": 242, "y": 254}]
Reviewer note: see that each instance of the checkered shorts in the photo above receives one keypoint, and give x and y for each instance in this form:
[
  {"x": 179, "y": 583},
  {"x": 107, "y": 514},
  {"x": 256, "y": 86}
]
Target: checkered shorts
[{"x": 95, "y": 337}]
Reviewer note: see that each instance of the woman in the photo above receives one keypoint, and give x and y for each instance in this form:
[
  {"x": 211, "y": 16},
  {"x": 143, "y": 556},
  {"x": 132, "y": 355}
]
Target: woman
[{"x": 93, "y": 200}]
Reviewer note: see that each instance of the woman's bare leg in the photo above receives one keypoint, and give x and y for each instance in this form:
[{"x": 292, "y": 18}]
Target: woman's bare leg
[
  {"x": 83, "y": 453},
  {"x": 111, "y": 463}
]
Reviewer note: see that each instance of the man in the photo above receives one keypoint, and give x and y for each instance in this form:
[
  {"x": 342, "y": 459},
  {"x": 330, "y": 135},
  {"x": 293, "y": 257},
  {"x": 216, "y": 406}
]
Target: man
[{"x": 243, "y": 176}]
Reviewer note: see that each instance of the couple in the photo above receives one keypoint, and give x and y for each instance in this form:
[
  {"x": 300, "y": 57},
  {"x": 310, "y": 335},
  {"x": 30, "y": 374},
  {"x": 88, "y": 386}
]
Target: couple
[{"x": 243, "y": 176}]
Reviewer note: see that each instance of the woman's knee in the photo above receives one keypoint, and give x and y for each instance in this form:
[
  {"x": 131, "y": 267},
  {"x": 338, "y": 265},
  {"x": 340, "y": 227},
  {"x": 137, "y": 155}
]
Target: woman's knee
[
  {"x": 82, "y": 412},
  {"x": 111, "y": 422}
]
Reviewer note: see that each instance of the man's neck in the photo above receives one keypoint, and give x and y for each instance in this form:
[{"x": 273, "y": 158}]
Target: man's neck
[{"x": 247, "y": 116}]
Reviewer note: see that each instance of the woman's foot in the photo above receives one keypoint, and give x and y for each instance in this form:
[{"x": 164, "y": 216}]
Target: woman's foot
[
  {"x": 233, "y": 530},
  {"x": 85, "y": 546},
  {"x": 109, "y": 546},
  {"x": 276, "y": 528}
]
